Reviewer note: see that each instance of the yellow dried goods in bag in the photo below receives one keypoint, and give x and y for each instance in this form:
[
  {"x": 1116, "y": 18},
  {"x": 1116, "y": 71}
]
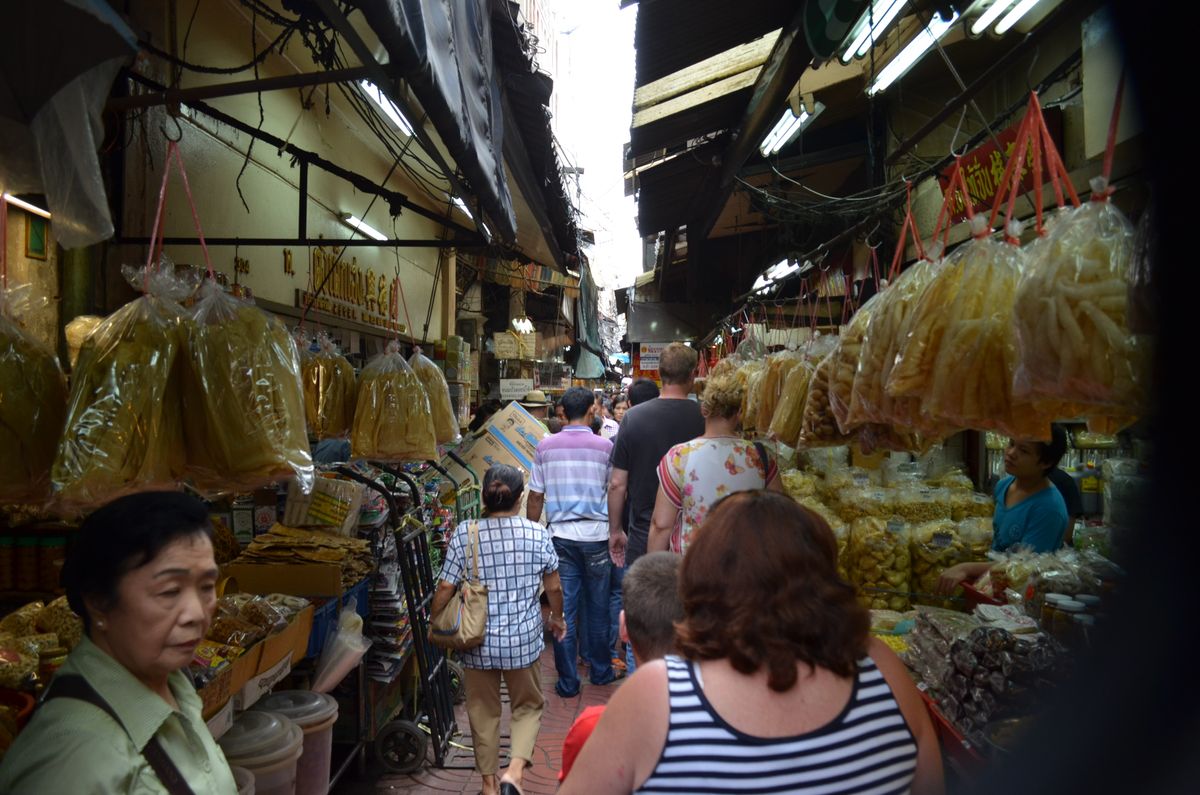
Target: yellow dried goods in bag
[
  {"x": 329, "y": 388},
  {"x": 789, "y": 413},
  {"x": 445, "y": 423},
  {"x": 755, "y": 374},
  {"x": 33, "y": 406},
  {"x": 841, "y": 378},
  {"x": 393, "y": 420},
  {"x": 879, "y": 563},
  {"x": 243, "y": 401},
  {"x": 819, "y": 427},
  {"x": 124, "y": 430},
  {"x": 778, "y": 368},
  {"x": 1071, "y": 315},
  {"x": 935, "y": 547}
]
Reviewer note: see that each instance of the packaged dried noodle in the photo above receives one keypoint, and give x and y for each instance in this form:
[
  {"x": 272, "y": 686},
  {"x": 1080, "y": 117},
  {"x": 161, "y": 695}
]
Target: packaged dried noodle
[
  {"x": 329, "y": 389},
  {"x": 789, "y": 412},
  {"x": 845, "y": 366},
  {"x": 819, "y": 427},
  {"x": 779, "y": 365},
  {"x": 445, "y": 423},
  {"x": 1074, "y": 343},
  {"x": 393, "y": 420},
  {"x": 750, "y": 398},
  {"x": 124, "y": 429},
  {"x": 33, "y": 405},
  {"x": 243, "y": 402}
]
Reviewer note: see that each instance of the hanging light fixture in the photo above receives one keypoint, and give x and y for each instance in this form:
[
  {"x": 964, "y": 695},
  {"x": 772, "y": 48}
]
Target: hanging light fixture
[
  {"x": 871, "y": 28},
  {"x": 912, "y": 53},
  {"x": 361, "y": 226}
]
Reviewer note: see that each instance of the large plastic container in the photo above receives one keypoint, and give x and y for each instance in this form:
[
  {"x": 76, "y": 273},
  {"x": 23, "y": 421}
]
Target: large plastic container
[
  {"x": 269, "y": 746},
  {"x": 315, "y": 714},
  {"x": 244, "y": 780}
]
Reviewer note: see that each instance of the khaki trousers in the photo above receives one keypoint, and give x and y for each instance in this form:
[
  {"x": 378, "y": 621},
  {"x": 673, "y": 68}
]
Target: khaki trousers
[{"x": 483, "y": 711}]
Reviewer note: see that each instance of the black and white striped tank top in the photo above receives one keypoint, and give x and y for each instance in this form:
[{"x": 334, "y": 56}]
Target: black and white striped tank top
[{"x": 866, "y": 750}]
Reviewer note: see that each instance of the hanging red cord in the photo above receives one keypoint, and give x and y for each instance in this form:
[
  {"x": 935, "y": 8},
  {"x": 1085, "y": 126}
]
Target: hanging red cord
[{"x": 1110, "y": 148}]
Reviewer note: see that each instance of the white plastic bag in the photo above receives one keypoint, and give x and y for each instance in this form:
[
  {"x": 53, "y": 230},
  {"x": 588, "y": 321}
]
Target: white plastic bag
[{"x": 343, "y": 651}]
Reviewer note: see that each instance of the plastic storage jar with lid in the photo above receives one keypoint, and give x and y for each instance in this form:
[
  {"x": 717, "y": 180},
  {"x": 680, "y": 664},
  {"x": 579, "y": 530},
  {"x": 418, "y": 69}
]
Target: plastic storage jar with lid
[
  {"x": 1091, "y": 602},
  {"x": 268, "y": 745},
  {"x": 1049, "y": 602},
  {"x": 315, "y": 714},
  {"x": 1064, "y": 626},
  {"x": 244, "y": 780}
]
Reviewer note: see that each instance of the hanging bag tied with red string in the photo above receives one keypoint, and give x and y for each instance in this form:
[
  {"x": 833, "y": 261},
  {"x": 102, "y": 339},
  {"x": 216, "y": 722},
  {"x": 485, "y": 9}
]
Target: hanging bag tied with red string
[
  {"x": 445, "y": 423},
  {"x": 393, "y": 420},
  {"x": 329, "y": 389}
]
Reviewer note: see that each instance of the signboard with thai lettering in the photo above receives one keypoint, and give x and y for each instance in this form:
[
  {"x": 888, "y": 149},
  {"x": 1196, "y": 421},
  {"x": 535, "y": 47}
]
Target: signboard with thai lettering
[
  {"x": 983, "y": 167},
  {"x": 353, "y": 292}
]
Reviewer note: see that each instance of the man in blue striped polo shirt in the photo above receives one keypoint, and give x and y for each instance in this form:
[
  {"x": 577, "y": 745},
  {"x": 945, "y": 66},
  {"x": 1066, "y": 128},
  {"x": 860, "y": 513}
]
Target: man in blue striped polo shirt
[{"x": 570, "y": 478}]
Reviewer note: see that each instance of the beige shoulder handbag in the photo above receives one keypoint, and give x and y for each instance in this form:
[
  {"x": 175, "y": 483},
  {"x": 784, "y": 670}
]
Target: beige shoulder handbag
[{"x": 462, "y": 622}]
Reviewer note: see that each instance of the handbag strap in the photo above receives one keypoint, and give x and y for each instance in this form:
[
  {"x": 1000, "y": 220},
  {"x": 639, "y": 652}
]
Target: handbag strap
[
  {"x": 75, "y": 686},
  {"x": 473, "y": 540},
  {"x": 766, "y": 462}
]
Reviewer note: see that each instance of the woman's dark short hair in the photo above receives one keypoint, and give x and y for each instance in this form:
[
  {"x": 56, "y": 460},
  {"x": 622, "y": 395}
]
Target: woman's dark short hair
[
  {"x": 483, "y": 414},
  {"x": 642, "y": 390},
  {"x": 124, "y": 535},
  {"x": 760, "y": 588},
  {"x": 502, "y": 487},
  {"x": 1050, "y": 453}
]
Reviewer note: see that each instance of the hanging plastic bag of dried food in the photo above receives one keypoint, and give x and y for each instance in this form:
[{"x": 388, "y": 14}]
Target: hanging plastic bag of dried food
[
  {"x": 779, "y": 366},
  {"x": 752, "y": 375},
  {"x": 819, "y": 427},
  {"x": 841, "y": 376},
  {"x": 123, "y": 431},
  {"x": 243, "y": 403},
  {"x": 329, "y": 388},
  {"x": 33, "y": 404},
  {"x": 393, "y": 420},
  {"x": 445, "y": 423},
  {"x": 789, "y": 413}
]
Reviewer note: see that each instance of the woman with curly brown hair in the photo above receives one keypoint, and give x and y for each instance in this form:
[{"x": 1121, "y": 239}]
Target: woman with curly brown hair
[{"x": 779, "y": 687}]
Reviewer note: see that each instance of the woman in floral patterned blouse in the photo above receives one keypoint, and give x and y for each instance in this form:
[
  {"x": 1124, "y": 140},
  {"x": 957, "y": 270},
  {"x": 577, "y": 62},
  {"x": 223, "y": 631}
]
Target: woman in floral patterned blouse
[{"x": 694, "y": 475}]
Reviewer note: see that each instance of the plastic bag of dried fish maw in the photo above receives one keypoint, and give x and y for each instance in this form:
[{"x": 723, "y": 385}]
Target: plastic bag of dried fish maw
[
  {"x": 819, "y": 427},
  {"x": 969, "y": 505},
  {"x": 845, "y": 366},
  {"x": 779, "y": 365},
  {"x": 243, "y": 401},
  {"x": 33, "y": 404},
  {"x": 124, "y": 430},
  {"x": 879, "y": 563},
  {"x": 789, "y": 413},
  {"x": 1071, "y": 315},
  {"x": 935, "y": 547},
  {"x": 329, "y": 389},
  {"x": 393, "y": 420},
  {"x": 445, "y": 422},
  {"x": 869, "y": 400},
  {"x": 976, "y": 534}
]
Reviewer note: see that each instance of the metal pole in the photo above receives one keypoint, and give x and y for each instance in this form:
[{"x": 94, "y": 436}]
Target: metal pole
[{"x": 174, "y": 96}]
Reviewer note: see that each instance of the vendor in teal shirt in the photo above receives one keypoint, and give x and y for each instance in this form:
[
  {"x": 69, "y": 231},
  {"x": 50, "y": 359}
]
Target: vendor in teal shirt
[
  {"x": 1030, "y": 511},
  {"x": 141, "y": 575}
]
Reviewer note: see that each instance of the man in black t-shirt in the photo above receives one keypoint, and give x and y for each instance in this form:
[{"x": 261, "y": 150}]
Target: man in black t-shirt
[{"x": 648, "y": 431}]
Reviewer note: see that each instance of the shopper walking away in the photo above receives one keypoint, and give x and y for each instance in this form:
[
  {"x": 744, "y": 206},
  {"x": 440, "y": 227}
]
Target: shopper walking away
[
  {"x": 516, "y": 560},
  {"x": 648, "y": 431},
  {"x": 121, "y": 715},
  {"x": 642, "y": 391},
  {"x": 694, "y": 475},
  {"x": 779, "y": 686},
  {"x": 570, "y": 479},
  {"x": 652, "y": 607}
]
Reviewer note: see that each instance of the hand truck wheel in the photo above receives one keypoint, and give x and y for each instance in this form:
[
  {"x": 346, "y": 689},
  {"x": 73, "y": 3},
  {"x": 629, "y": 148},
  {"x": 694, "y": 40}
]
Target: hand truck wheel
[
  {"x": 458, "y": 681},
  {"x": 400, "y": 747}
]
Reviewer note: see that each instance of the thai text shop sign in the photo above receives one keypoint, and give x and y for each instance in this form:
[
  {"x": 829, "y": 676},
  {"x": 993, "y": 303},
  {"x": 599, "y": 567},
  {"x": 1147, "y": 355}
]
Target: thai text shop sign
[{"x": 645, "y": 363}]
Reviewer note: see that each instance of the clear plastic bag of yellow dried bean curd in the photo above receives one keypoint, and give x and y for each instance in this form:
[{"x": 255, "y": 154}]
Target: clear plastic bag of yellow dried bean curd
[
  {"x": 243, "y": 401},
  {"x": 393, "y": 420},
  {"x": 329, "y": 389},
  {"x": 445, "y": 423}
]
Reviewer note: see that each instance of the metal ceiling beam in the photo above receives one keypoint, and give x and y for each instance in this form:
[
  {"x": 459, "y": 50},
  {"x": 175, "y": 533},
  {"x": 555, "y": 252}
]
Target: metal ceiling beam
[
  {"x": 783, "y": 68},
  {"x": 384, "y": 82},
  {"x": 332, "y": 242},
  {"x": 174, "y": 96}
]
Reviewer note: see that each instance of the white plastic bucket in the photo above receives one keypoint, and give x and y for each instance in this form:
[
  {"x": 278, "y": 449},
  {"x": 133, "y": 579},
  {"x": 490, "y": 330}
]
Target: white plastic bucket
[
  {"x": 244, "y": 780},
  {"x": 269, "y": 746},
  {"x": 315, "y": 714}
]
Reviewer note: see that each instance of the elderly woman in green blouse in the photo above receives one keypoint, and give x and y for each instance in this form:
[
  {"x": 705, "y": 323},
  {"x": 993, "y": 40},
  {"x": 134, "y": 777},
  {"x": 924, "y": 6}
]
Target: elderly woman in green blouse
[{"x": 121, "y": 716}]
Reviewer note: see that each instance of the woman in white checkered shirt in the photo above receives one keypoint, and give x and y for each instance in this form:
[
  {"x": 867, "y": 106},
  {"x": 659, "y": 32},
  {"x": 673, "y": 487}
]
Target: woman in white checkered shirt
[{"x": 516, "y": 561}]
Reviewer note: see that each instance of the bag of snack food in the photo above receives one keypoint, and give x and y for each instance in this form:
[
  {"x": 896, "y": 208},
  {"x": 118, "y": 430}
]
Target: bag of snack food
[
  {"x": 819, "y": 427},
  {"x": 779, "y": 366},
  {"x": 845, "y": 366},
  {"x": 33, "y": 405},
  {"x": 243, "y": 402},
  {"x": 879, "y": 564},
  {"x": 935, "y": 547},
  {"x": 445, "y": 423},
  {"x": 789, "y": 412},
  {"x": 328, "y": 379},
  {"x": 124, "y": 429},
  {"x": 393, "y": 420}
]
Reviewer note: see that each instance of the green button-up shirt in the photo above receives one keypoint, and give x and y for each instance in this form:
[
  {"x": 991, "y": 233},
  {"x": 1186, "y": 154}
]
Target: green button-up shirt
[{"x": 73, "y": 746}]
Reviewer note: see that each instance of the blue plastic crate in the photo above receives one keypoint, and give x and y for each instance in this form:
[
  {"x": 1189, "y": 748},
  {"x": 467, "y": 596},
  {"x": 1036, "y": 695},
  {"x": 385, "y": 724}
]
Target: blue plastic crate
[{"x": 325, "y": 614}]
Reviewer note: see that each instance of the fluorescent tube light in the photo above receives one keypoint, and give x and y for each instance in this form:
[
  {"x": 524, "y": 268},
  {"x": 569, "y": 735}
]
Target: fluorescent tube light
[
  {"x": 868, "y": 34},
  {"x": 387, "y": 106},
  {"x": 361, "y": 226},
  {"x": 26, "y": 206},
  {"x": 912, "y": 53},
  {"x": 462, "y": 205},
  {"x": 988, "y": 17},
  {"x": 1014, "y": 16},
  {"x": 788, "y": 126}
]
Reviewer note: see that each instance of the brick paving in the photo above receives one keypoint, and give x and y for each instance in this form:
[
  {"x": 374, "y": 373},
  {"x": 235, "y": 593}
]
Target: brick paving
[{"x": 459, "y": 775}]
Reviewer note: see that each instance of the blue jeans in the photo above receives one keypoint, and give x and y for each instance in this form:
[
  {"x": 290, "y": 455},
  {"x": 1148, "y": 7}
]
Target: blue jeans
[
  {"x": 583, "y": 568},
  {"x": 614, "y": 610}
]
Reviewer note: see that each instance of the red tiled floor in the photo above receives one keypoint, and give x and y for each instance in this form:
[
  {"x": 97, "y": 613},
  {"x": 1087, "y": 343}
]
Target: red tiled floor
[{"x": 459, "y": 775}]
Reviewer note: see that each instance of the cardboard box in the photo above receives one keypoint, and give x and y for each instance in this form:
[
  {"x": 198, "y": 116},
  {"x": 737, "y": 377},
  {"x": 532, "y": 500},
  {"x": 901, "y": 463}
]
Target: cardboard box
[
  {"x": 262, "y": 657},
  {"x": 230, "y": 681},
  {"x": 292, "y": 642},
  {"x": 298, "y": 579},
  {"x": 511, "y": 437}
]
